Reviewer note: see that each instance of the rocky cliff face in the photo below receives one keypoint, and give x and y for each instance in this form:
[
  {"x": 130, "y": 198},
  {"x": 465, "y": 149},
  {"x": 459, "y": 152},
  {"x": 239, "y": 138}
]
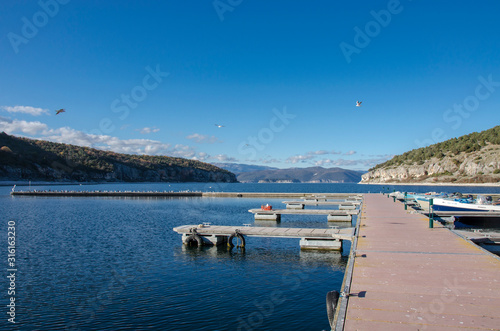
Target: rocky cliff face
[{"x": 477, "y": 167}]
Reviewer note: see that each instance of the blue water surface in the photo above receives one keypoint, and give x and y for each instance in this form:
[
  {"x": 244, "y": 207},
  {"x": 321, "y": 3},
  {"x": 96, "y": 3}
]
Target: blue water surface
[{"x": 93, "y": 263}]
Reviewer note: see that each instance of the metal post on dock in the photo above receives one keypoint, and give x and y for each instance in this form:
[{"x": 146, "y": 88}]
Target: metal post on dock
[
  {"x": 431, "y": 213},
  {"x": 406, "y": 206}
]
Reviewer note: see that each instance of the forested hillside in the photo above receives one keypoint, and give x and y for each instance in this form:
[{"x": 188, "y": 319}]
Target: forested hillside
[
  {"x": 29, "y": 159},
  {"x": 473, "y": 158},
  {"x": 465, "y": 144}
]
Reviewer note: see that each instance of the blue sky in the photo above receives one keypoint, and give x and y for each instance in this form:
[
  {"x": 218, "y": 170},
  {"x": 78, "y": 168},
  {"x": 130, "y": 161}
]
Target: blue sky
[{"x": 281, "y": 77}]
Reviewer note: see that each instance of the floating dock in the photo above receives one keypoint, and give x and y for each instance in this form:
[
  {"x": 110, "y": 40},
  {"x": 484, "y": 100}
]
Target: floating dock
[
  {"x": 275, "y": 214},
  {"x": 206, "y": 234},
  {"x": 263, "y": 195},
  {"x": 464, "y": 213},
  {"x": 106, "y": 194},
  {"x": 297, "y": 204},
  {"x": 286, "y": 195},
  {"x": 408, "y": 276}
]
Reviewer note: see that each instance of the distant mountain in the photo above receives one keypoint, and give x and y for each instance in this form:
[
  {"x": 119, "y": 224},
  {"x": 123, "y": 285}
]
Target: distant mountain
[
  {"x": 30, "y": 159},
  {"x": 472, "y": 158},
  {"x": 302, "y": 175},
  {"x": 238, "y": 168}
]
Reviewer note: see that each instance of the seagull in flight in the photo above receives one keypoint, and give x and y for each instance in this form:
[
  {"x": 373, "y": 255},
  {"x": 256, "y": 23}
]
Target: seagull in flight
[
  {"x": 60, "y": 111},
  {"x": 219, "y": 126},
  {"x": 358, "y": 103}
]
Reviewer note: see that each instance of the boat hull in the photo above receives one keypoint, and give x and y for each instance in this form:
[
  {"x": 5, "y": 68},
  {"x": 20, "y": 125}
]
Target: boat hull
[{"x": 451, "y": 205}]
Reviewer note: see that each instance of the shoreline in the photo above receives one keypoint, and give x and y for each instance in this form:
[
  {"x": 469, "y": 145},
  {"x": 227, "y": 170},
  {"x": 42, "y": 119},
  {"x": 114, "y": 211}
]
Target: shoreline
[
  {"x": 42, "y": 183},
  {"x": 435, "y": 184}
]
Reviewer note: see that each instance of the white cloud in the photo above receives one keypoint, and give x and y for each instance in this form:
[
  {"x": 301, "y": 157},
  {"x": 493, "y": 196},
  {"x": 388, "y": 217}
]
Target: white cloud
[
  {"x": 26, "y": 110},
  {"x": 299, "y": 158},
  {"x": 308, "y": 156},
  {"x": 386, "y": 156},
  {"x": 147, "y": 130},
  {"x": 202, "y": 156},
  {"x": 199, "y": 138},
  {"x": 10, "y": 126},
  {"x": 336, "y": 163},
  {"x": 350, "y": 153},
  {"x": 68, "y": 135},
  {"x": 71, "y": 136},
  {"x": 366, "y": 163},
  {"x": 183, "y": 151},
  {"x": 268, "y": 160},
  {"x": 225, "y": 158},
  {"x": 369, "y": 163}
]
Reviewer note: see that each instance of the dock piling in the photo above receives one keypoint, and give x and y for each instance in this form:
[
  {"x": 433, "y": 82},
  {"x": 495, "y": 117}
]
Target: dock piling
[{"x": 431, "y": 213}]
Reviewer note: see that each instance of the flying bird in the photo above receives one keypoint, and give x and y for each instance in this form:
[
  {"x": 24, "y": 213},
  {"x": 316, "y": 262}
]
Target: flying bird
[
  {"x": 219, "y": 126},
  {"x": 60, "y": 111},
  {"x": 358, "y": 103}
]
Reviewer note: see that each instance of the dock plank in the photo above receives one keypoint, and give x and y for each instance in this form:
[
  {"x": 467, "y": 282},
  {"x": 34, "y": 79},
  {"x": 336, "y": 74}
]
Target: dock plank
[
  {"x": 465, "y": 213},
  {"x": 305, "y": 211},
  {"x": 408, "y": 276},
  {"x": 265, "y": 231},
  {"x": 322, "y": 203}
]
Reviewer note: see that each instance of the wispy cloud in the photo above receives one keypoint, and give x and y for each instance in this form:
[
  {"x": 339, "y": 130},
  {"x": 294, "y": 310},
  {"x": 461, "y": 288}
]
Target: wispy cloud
[
  {"x": 269, "y": 161},
  {"x": 71, "y": 136},
  {"x": 298, "y": 158},
  {"x": 10, "y": 126},
  {"x": 26, "y": 110},
  {"x": 68, "y": 135},
  {"x": 224, "y": 158},
  {"x": 350, "y": 153},
  {"x": 309, "y": 156},
  {"x": 147, "y": 130},
  {"x": 366, "y": 163},
  {"x": 337, "y": 162},
  {"x": 203, "y": 139}
]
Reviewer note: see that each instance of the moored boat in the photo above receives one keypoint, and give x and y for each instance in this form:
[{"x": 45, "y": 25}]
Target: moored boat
[{"x": 481, "y": 204}]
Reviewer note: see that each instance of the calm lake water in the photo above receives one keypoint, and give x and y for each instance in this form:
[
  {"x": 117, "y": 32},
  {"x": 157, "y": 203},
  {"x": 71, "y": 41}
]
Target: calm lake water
[{"x": 115, "y": 263}]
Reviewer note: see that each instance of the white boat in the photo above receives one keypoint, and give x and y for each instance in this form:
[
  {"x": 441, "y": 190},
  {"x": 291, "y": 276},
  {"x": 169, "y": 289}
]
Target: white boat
[
  {"x": 423, "y": 199},
  {"x": 440, "y": 204}
]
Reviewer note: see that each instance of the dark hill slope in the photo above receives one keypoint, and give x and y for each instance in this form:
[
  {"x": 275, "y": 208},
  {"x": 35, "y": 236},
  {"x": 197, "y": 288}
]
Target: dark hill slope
[{"x": 29, "y": 159}]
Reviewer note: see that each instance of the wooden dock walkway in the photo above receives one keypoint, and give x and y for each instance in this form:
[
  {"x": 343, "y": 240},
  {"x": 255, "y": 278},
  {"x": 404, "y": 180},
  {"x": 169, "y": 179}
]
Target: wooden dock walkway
[{"x": 407, "y": 276}]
